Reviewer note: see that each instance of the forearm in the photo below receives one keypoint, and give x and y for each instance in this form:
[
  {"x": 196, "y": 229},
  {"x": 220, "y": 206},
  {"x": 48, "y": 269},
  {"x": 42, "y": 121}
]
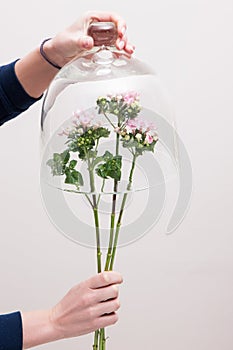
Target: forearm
[
  {"x": 34, "y": 73},
  {"x": 38, "y": 328}
]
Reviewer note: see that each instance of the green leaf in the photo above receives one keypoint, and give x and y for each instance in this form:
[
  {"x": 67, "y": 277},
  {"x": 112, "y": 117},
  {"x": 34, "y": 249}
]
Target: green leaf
[
  {"x": 129, "y": 143},
  {"x": 58, "y": 163},
  {"x": 101, "y": 132},
  {"x": 107, "y": 155},
  {"x": 92, "y": 154},
  {"x": 111, "y": 167},
  {"x": 65, "y": 156},
  {"x": 74, "y": 177},
  {"x": 101, "y": 171},
  {"x": 72, "y": 164}
]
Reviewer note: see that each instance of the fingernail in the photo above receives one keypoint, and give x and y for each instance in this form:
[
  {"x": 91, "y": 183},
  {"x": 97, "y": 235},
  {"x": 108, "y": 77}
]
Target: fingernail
[
  {"x": 123, "y": 30},
  {"x": 132, "y": 48},
  {"x": 121, "y": 45},
  {"x": 86, "y": 43}
]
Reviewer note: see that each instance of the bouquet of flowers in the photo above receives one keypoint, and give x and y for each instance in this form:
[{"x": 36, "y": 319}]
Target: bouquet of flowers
[{"x": 122, "y": 115}]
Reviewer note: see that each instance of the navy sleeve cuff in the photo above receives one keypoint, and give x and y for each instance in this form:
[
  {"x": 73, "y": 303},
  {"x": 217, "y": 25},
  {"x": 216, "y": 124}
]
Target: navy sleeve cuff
[
  {"x": 11, "y": 334},
  {"x": 13, "y": 98}
]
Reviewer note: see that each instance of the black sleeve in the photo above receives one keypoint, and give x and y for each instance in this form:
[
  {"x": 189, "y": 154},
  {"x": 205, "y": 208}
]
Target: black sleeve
[
  {"x": 13, "y": 98},
  {"x": 11, "y": 334}
]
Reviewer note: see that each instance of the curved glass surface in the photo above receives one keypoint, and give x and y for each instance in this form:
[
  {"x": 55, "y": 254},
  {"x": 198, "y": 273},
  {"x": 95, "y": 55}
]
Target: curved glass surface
[{"x": 108, "y": 144}]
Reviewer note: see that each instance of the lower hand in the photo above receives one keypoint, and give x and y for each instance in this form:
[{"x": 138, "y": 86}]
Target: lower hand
[{"x": 90, "y": 305}]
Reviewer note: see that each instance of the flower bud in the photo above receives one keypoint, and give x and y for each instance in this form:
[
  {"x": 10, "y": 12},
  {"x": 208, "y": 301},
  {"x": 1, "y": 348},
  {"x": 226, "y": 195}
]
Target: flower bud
[{"x": 138, "y": 136}]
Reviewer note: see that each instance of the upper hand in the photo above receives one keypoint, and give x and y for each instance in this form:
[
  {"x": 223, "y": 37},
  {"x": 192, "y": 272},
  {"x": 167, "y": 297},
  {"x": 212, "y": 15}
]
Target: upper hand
[{"x": 71, "y": 42}]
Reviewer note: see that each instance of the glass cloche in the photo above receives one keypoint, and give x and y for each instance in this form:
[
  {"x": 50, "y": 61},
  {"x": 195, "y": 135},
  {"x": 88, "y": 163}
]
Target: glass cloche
[{"x": 108, "y": 147}]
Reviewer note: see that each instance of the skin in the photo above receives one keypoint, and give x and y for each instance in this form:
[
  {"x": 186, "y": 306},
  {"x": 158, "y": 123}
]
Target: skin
[
  {"x": 92, "y": 304},
  {"x": 62, "y": 48},
  {"x": 88, "y": 306}
]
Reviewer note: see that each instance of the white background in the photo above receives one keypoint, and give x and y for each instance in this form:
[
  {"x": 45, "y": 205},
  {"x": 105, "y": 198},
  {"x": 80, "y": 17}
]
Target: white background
[{"x": 178, "y": 289}]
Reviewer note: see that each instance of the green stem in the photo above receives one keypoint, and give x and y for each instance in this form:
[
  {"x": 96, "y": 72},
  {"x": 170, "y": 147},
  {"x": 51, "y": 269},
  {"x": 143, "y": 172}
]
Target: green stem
[
  {"x": 96, "y": 219},
  {"x": 88, "y": 200},
  {"x": 117, "y": 141},
  {"x": 118, "y": 225},
  {"x": 108, "y": 119},
  {"x": 102, "y": 339},
  {"x": 109, "y": 253},
  {"x": 131, "y": 172},
  {"x": 101, "y": 191},
  {"x": 113, "y": 214},
  {"x": 96, "y": 215},
  {"x": 96, "y": 338}
]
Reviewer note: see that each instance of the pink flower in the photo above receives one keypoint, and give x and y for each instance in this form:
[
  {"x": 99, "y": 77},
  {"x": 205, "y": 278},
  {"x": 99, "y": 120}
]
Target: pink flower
[
  {"x": 131, "y": 125},
  {"x": 77, "y": 113},
  {"x": 149, "y": 139},
  {"x": 139, "y": 126},
  {"x": 83, "y": 119},
  {"x": 64, "y": 132},
  {"x": 142, "y": 124},
  {"x": 152, "y": 132},
  {"x": 130, "y": 97}
]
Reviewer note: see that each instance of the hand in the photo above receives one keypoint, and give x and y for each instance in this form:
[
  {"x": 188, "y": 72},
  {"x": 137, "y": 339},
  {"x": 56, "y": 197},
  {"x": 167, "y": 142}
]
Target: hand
[
  {"x": 35, "y": 74},
  {"x": 74, "y": 40},
  {"x": 88, "y": 306}
]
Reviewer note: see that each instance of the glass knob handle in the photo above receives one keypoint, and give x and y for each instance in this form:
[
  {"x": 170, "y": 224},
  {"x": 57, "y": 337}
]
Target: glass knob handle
[{"x": 103, "y": 33}]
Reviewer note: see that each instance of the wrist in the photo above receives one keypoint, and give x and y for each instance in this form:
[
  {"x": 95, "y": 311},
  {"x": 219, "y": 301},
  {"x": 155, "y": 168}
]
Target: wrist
[
  {"x": 38, "y": 328},
  {"x": 50, "y": 53}
]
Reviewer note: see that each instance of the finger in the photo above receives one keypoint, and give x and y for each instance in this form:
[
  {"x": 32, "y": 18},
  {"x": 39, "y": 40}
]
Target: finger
[
  {"x": 106, "y": 293},
  {"x": 121, "y": 43},
  {"x": 85, "y": 42},
  {"x": 129, "y": 48},
  {"x": 107, "y": 320},
  {"x": 104, "y": 279},
  {"x": 107, "y": 307}
]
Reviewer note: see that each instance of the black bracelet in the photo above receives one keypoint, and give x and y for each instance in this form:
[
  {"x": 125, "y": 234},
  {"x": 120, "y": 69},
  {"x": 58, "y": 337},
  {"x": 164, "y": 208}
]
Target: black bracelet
[{"x": 43, "y": 54}]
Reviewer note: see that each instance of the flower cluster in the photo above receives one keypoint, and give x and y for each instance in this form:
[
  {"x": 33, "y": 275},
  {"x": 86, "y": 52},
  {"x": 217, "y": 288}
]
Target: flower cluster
[
  {"x": 124, "y": 106},
  {"x": 82, "y": 121},
  {"x": 84, "y": 142},
  {"x": 85, "y": 120},
  {"x": 129, "y": 97},
  {"x": 138, "y": 133}
]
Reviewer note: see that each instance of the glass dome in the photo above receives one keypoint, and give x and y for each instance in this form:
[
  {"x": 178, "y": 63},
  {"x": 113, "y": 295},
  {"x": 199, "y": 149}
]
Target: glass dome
[{"x": 108, "y": 145}]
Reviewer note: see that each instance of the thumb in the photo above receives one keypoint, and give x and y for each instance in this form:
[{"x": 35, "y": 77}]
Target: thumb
[{"x": 85, "y": 42}]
